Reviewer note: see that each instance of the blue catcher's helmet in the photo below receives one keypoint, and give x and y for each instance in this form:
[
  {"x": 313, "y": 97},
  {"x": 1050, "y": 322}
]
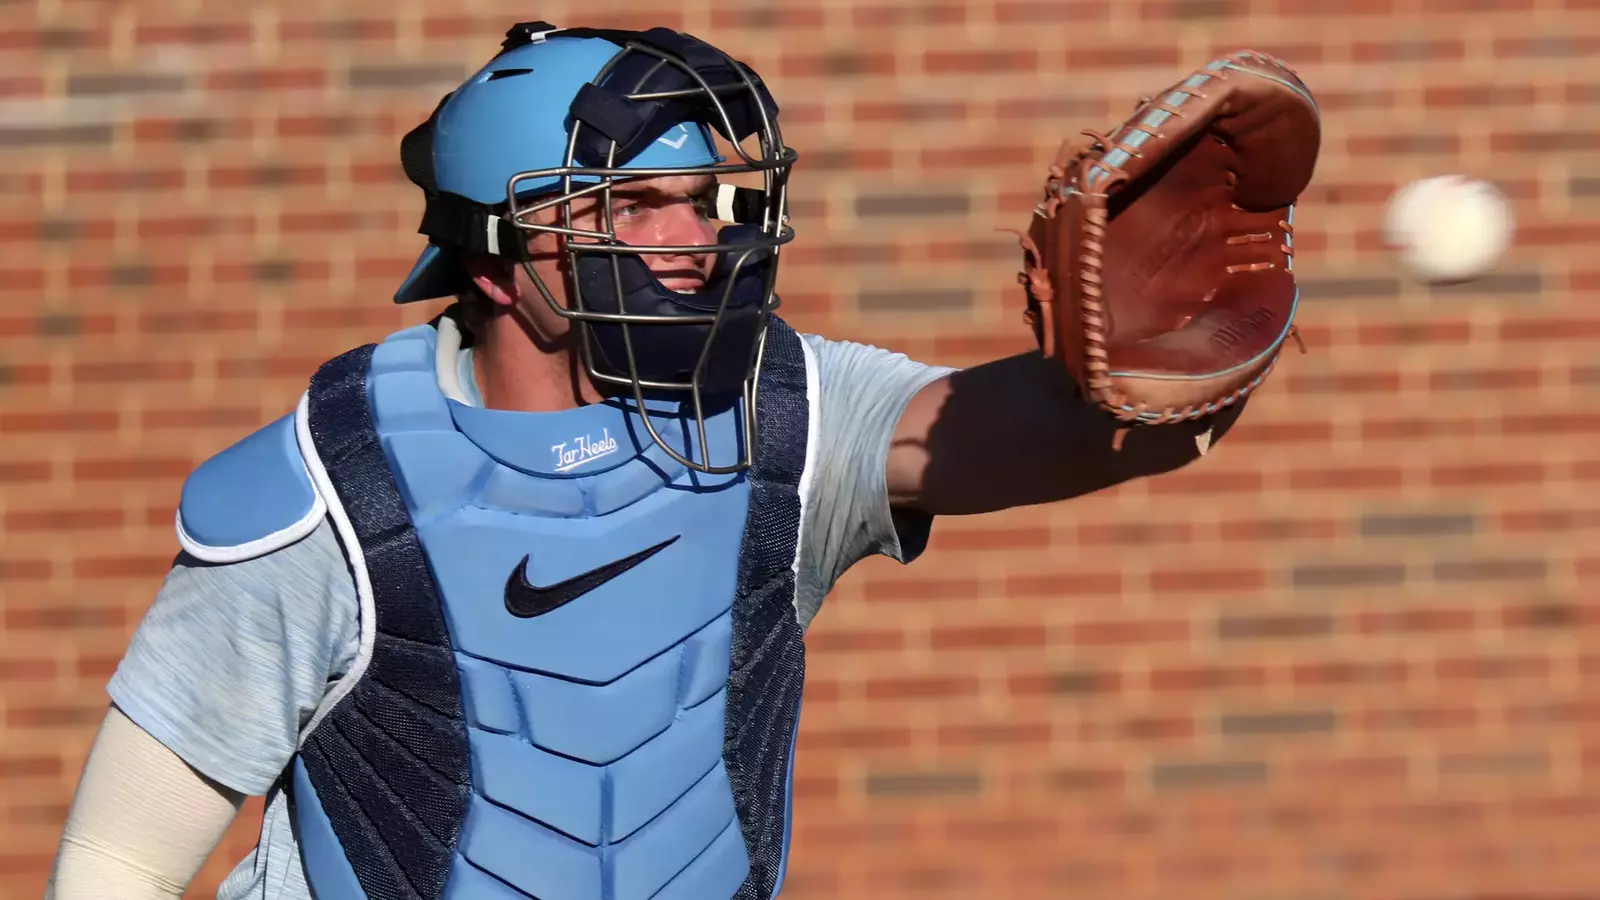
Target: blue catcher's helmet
[{"x": 560, "y": 114}]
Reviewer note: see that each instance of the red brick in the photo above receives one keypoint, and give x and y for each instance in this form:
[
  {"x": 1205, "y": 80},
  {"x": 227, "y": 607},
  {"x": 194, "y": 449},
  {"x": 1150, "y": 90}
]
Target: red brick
[
  {"x": 1404, "y": 144},
  {"x": 1267, "y": 530},
  {"x": 1296, "y": 8},
  {"x": 1003, "y": 733},
  {"x": 786, "y": 18},
  {"x": 1407, "y": 50},
  {"x": 1344, "y": 673},
  {"x": 1192, "y": 481},
  {"x": 1138, "y": 729},
  {"x": 978, "y": 62},
  {"x": 1357, "y": 772},
  {"x": 1141, "y": 533},
  {"x": 150, "y": 370},
  {"x": 1407, "y": 428},
  {"x": 47, "y": 520},
  {"x": 916, "y": 590},
  {"x": 1549, "y": 329},
  {"x": 14, "y": 568},
  {"x": 341, "y": 30},
  {"x": 1191, "y": 579},
  {"x": 991, "y": 539},
  {"x": 866, "y": 738},
  {"x": 835, "y": 64},
  {"x": 260, "y": 176},
  {"x": 193, "y": 226},
  {"x": 1430, "y": 718},
  {"x": 1479, "y": 95},
  {"x": 1090, "y": 57},
  {"x": 987, "y": 637},
  {"x": 24, "y": 472},
  {"x": 923, "y": 687},
  {"x": 1348, "y": 478},
  {"x": 130, "y": 468},
  {"x": 842, "y": 642},
  {"x": 267, "y": 79},
  {"x": 976, "y": 157},
  {"x": 118, "y": 567},
  {"x": 1458, "y": 474},
  {"x": 1549, "y": 520},
  {"x": 70, "y": 422},
  {"x": 61, "y": 617},
  {"x": 1416, "y": 621},
  {"x": 163, "y": 131},
  {"x": 159, "y": 276},
  {"x": 23, "y": 669},
  {"x": 1065, "y": 584},
  {"x": 1077, "y": 683},
  {"x": 192, "y": 33},
  {"x": 1575, "y": 44},
  {"x": 896, "y": 15},
  {"x": 25, "y": 767},
  {"x": 1199, "y": 677},
  {"x": 1279, "y": 433},
  {"x": 1431, "y": 332},
  {"x": 1035, "y": 12},
  {"x": 124, "y": 180},
  {"x": 1486, "y": 667},
  {"x": 199, "y": 321}
]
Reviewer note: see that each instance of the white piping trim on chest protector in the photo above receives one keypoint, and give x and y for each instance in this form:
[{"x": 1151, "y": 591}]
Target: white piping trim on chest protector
[
  {"x": 808, "y": 473},
  {"x": 367, "y": 624}
]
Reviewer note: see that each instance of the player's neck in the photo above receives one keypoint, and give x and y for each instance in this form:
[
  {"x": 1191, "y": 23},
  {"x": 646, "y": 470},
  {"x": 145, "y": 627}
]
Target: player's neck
[{"x": 519, "y": 372}]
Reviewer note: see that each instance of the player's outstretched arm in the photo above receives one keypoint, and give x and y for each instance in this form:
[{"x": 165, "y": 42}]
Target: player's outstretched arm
[
  {"x": 1159, "y": 267},
  {"x": 1015, "y": 432}
]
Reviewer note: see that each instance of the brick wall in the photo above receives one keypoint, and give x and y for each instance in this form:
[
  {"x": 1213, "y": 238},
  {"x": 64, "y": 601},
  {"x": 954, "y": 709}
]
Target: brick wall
[{"x": 1349, "y": 656}]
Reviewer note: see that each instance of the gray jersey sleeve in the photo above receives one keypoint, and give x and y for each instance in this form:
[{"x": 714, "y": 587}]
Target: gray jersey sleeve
[
  {"x": 231, "y": 660},
  {"x": 862, "y": 391}
]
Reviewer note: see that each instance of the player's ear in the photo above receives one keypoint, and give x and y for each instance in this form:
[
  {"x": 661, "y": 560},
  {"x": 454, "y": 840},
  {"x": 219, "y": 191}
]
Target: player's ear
[{"x": 493, "y": 276}]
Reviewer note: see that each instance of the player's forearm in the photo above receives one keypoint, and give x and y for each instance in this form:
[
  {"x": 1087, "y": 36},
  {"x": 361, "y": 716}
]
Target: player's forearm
[
  {"x": 141, "y": 823},
  {"x": 1014, "y": 432},
  {"x": 88, "y": 872}
]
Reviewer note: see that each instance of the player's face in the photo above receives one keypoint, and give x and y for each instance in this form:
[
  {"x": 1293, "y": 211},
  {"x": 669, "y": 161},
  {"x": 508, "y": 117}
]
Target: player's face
[
  {"x": 672, "y": 210},
  {"x": 667, "y": 211}
]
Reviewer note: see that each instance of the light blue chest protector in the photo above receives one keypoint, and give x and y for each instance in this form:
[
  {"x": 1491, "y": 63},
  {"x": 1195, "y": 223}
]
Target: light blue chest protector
[{"x": 580, "y": 668}]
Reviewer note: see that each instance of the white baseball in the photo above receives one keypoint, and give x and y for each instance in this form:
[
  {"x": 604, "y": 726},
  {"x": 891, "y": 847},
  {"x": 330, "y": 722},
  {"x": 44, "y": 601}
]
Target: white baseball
[{"x": 1448, "y": 228}]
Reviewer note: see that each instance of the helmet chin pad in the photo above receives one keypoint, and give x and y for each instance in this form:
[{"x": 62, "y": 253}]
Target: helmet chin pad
[{"x": 671, "y": 352}]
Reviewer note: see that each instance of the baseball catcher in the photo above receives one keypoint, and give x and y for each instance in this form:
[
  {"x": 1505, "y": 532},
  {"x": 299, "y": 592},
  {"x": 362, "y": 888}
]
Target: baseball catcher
[{"x": 511, "y": 604}]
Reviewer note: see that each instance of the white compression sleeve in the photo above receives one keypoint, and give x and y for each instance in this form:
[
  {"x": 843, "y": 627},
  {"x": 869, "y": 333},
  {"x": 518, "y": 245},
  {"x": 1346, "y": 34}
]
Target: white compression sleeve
[{"x": 142, "y": 822}]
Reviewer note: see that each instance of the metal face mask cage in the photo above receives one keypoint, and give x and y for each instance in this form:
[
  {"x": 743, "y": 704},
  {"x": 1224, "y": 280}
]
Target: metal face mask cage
[{"x": 635, "y": 332}]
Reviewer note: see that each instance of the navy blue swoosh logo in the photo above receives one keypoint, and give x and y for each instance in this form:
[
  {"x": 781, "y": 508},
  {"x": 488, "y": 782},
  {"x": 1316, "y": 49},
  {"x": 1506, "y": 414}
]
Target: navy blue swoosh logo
[{"x": 525, "y": 600}]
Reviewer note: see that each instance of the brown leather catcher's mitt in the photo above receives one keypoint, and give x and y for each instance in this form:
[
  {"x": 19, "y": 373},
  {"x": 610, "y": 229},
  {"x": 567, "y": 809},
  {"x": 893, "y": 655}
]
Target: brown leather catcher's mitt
[{"x": 1159, "y": 265}]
